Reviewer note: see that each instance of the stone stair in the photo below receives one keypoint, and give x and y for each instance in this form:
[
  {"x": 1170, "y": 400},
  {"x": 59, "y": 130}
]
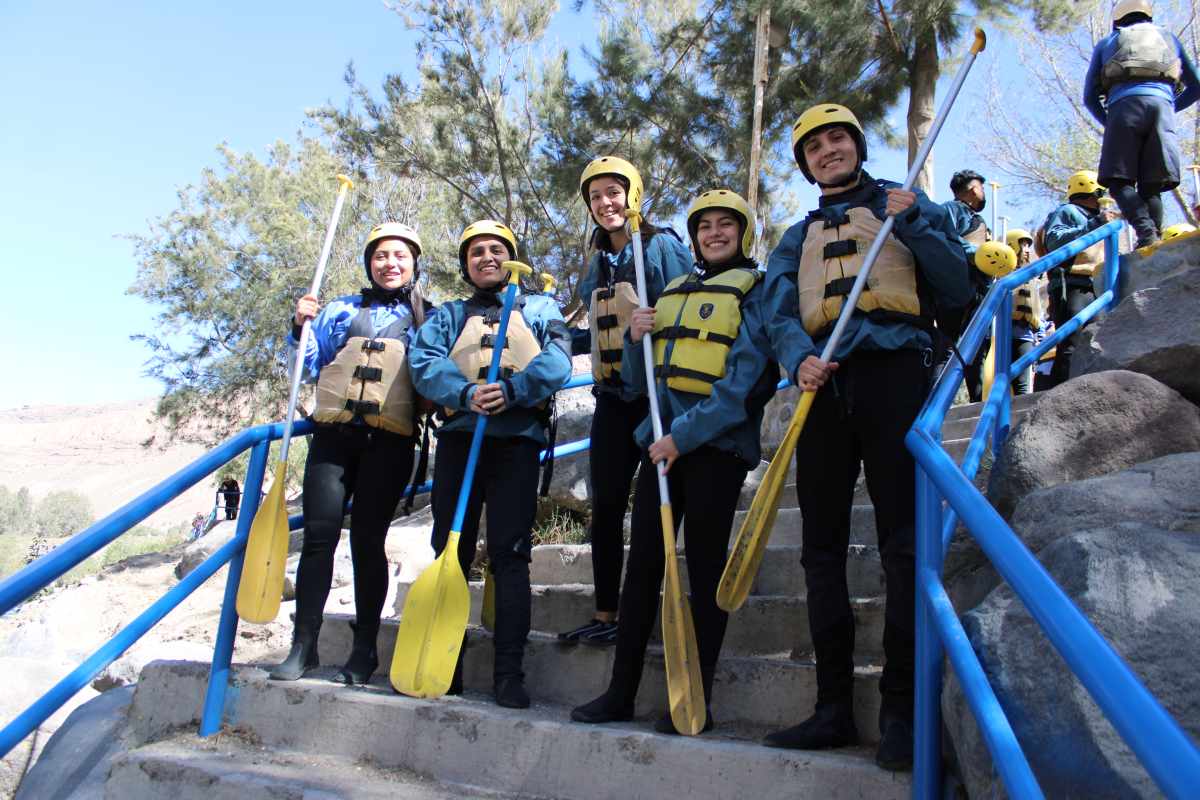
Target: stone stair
[{"x": 366, "y": 741}]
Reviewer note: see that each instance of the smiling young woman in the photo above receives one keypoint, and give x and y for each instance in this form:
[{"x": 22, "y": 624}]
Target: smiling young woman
[{"x": 363, "y": 445}]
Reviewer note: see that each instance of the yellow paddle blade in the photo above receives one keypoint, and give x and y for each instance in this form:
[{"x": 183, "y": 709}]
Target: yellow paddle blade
[
  {"x": 751, "y": 542},
  {"x": 261, "y": 587},
  {"x": 487, "y": 616},
  {"x": 432, "y": 627},
  {"x": 685, "y": 688}
]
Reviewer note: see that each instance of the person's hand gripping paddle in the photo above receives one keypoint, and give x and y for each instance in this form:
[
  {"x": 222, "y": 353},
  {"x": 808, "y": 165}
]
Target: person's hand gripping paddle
[
  {"x": 438, "y": 603},
  {"x": 261, "y": 588},
  {"x": 685, "y": 690},
  {"x": 751, "y": 541}
]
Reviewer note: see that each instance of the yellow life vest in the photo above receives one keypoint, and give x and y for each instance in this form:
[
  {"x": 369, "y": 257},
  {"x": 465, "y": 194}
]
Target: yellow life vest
[
  {"x": 1086, "y": 263},
  {"x": 695, "y": 324},
  {"x": 835, "y": 246},
  {"x": 608, "y": 315},
  {"x": 978, "y": 235},
  {"x": 369, "y": 378},
  {"x": 472, "y": 350},
  {"x": 1027, "y": 304}
]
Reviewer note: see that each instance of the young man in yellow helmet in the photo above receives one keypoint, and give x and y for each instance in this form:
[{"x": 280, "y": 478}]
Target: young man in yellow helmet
[
  {"x": 609, "y": 186},
  {"x": 714, "y": 378},
  {"x": 358, "y": 355},
  {"x": 1070, "y": 285},
  {"x": 450, "y": 360},
  {"x": 1028, "y": 313},
  {"x": 1139, "y": 76},
  {"x": 879, "y": 379}
]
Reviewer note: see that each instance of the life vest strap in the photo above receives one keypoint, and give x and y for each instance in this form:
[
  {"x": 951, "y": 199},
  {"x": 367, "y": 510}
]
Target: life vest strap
[
  {"x": 674, "y": 371},
  {"x": 691, "y": 287},
  {"x": 488, "y": 341},
  {"x": 359, "y": 407},
  {"x": 607, "y": 321},
  {"x": 839, "y": 287},
  {"x": 1026, "y": 309},
  {"x": 364, "y": 373},
  {"x": 682, "y": 332},
  {"x": 374, "y": 345},
  {"x": 606, "y": 293},
  {"x": 611, "y": 356},
  {"x": 840, "y": 249},
  {"x": 505, "y": 372}
]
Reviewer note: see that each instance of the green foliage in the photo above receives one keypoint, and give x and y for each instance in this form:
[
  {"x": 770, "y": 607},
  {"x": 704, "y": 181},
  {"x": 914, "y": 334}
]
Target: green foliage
[
  {"x": 225, "y": 270},
  {"x": 559, "y": 526},
  {"x": 63, "y": 513},
  {"x": 16, "y": 511},
  {"x": 13, "y": 550}
]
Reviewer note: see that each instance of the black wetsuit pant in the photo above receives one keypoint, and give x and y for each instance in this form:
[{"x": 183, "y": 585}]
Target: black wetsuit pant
[
  {"x": 614, "y": 458},
  {"x": 861, "y": 417},
  {"x": 951, "y": 324},
  {"x": 1079, "y": 294},
  {"x": 231, "y": 504},
  {"x": 506, "y": 480},
  {"x": 704, "y": 486},
  {"x": 372, "y": 466},
  {"x": 1023, "y": 383}
]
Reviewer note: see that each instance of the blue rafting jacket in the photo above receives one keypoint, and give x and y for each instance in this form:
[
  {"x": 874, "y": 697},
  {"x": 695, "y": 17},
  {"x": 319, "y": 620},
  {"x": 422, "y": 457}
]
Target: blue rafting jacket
[
  {"x": 1094, "y": 95},
  {"x": 730, "y": 418},
  {"x": 666, "y": 258},
  {"x": 332, "y": 323},
  {"x": 1064, "y": 225},
  {"x": 925, "y": 229},
  {"x": 438, "y": 378},
  {"x": 962, "y": 217}
]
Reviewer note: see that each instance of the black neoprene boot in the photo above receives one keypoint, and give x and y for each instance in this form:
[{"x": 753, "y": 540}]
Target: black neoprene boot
[
  {"x": 895, "y": 751},
  {"x": 364, "y": 658},
  {"x": 608, "y": 707},
  {"x": 509, "y": 692},
  {"x": 832, "y": 725},
  {"x": 303, "y": 655}
]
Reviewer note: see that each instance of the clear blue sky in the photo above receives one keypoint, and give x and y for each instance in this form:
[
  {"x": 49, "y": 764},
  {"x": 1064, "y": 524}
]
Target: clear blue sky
[{"x": 109, "y": 108}]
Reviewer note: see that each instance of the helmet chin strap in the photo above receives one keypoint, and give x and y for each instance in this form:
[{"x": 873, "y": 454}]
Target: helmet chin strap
[{"x": 850, "y": 180}]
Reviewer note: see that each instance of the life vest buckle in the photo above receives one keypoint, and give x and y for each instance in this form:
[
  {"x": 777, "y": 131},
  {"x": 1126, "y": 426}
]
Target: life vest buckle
[
  {"x": 839, "y": 287},
  {"x": 606, "y": 294},
  {"x": 362, "y": 406},
  {"x": 374, "y": 345},
  {"x": 488, "y": 341},
  {"x": 607, "y": 321},
  {"x": 840, "y": 249},
  {"x": 368, "y": 373}
]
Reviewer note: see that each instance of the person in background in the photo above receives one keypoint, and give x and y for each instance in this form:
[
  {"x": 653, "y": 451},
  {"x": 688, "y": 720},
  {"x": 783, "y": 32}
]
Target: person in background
[
  {"x": 1138, "y": 78},
  {"x": 969, "y": 199},
  {"x": 231, "y": 493},
  {"x": 1027, "y": 311}
]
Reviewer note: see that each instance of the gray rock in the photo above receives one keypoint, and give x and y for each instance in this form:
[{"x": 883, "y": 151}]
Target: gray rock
[
  {"x": 196, "y": 552},
  {"x": 1092, "y": 425},
  {"x": 1137, "y": 584},
  {"x": 1159, "y": 493},
  {"x": 76, "y": 760},
  {"x": 1154, "y": 331},
  {"x": 1144, "y": 272},
  {"x": 570, "y": 487},
  {"x": 776, "y": 416}
]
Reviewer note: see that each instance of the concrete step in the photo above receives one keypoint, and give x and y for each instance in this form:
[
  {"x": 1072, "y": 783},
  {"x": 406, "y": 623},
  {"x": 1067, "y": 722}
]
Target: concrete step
[
  {"x": 763, "y": 691},
  {"x": 765, "y": 624},
  {"x": 1021, "y": 403},
  {"x": 789, "y": 527},
  {"x": 186, "y": 767},
  {"x": 536, "y": 752},
  {"x": 779, "y": 573}
]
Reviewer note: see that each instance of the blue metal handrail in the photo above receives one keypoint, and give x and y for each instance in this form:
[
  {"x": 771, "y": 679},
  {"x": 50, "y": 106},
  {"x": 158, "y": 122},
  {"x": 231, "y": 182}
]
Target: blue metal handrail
[
  {"x": 23, "y": 584},
  {"x": 1162, "y": 746}
]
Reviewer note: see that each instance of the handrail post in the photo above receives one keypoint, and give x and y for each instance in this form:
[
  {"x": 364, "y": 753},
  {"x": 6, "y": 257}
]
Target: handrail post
[
  {"x": 1112, "y": 266},
  {"x": 218, "y": 676},
  {"x": 927, "y": 681},
  {"x": 1002, "y": 371}
]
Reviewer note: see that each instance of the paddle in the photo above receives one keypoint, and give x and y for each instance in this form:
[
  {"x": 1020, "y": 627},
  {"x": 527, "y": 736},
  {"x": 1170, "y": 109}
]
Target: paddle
[
  {"x": 261, "y": 588},
  {"x": 438, "y": 603},
  {"x": 685, "y": 690},
  {"x": 751, "y": 542}
]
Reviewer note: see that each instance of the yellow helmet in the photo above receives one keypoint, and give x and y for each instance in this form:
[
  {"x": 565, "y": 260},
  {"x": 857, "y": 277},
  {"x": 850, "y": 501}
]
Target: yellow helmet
[
  {"x": 485, "y": 227},
  {"x": 393, "y": 230},
  {"x": 822, "y": 116},
  {"x": 1084, "y": 182},
  {"x": 1013, "y": 238},
  {"x": 620, "y": 168},
  {"x": 1177, "y": 230},
  {"x": 1124, "y": 8},
  {"x": 995, "y": 258},
  {"x": 729, "y": 201}
]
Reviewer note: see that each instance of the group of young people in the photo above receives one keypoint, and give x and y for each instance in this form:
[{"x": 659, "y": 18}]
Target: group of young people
[{"x": 723, "y": 331}]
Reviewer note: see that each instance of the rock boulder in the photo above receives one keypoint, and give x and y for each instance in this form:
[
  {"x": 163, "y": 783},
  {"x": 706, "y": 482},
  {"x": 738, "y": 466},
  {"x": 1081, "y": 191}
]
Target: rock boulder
[
  {"x": 1089, "y": 426},
  {"x": 1154, "y": 331},
  {"x": 1137, "y": 584}
]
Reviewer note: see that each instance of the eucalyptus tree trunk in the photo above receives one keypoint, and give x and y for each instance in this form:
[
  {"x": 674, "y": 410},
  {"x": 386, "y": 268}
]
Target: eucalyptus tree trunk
[{"x": 922, "y": 85}]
